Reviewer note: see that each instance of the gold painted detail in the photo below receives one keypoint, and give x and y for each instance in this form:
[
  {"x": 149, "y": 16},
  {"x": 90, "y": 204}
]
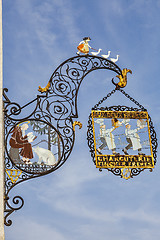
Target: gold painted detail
[
  {"x": 45, "y": 89},
  {"x": 120, "y": 114},
  {"x": 122, "y": 78},
  {"x": 13, "y": 174},
  {"x": 124, "y": 161},
  {"x": 27, "y": 122},
  {"x": 77, "y": 123},
  {"x": 126, "y": 173}
]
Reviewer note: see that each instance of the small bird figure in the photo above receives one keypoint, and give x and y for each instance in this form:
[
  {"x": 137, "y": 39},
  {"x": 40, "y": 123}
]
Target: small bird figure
[
  {"x": 114, "y": 59},
  {"x": 96, "y": 53},
  {"x": 106, "y": 56}
]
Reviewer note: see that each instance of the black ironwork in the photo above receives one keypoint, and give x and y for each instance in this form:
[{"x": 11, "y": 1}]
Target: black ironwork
[
  {"x": 90, "y": 137},
  {"x": 9, "y": 209},
  {"x": 55, "y": 108}
]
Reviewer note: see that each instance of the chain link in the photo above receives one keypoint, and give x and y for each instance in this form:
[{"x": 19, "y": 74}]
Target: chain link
[
  {"x": 124, "y": 93},
  {"x": 103, "y": 99},
  {"x": 132, "y": 99}
]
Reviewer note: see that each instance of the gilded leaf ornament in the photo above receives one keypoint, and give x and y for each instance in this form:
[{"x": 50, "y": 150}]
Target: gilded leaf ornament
[{"x": 122, "y": 78}]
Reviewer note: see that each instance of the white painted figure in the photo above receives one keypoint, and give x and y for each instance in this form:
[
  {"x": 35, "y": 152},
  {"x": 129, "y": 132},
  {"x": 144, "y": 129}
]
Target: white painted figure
[
  {"x": 114, "y": 59},
  {"x": 106, "y": 137},
  {"x": 133, "y": 139},
  {"x": 45, "y": 156},
  {"x": 106, "y": 56},
  {"x": 96, "y": 53}
]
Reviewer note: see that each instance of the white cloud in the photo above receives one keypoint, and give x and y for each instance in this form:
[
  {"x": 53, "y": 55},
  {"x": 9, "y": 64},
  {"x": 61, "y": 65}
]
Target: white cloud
[
  {"x": 88, "y": 222},
  {"x": 47, "y": 20},
  {"x": 33, "y": 230},
  {"x": 37, "y": 42}
]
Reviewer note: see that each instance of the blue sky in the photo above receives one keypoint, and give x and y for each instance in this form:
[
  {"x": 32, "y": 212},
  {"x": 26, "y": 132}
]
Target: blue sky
[{"x": 77, "y": 201}]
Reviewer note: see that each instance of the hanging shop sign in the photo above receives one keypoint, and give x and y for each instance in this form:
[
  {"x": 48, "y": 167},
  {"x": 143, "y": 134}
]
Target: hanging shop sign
[{"x": 123, "y": 138}]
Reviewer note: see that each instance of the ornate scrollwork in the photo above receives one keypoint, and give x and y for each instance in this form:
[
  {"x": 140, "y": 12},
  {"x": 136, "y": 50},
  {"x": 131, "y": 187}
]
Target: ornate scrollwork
[
  {"x": 53, "y": 110},
  {"x": 9, "y": 208}
]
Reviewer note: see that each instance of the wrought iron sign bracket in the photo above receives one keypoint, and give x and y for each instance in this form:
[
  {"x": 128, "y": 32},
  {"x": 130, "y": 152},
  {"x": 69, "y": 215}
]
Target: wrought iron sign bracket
[{"x": 40, "y": 135}]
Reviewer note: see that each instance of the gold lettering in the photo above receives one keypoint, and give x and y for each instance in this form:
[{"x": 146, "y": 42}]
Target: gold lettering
[
  {"x": 110, "y": 161},
  {"x": 99, "y": 158}
]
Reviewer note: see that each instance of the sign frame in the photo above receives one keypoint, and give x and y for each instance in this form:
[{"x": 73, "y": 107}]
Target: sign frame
[
  {"x": 122, "y": 161},
  {"x": 122, "y": 164}
]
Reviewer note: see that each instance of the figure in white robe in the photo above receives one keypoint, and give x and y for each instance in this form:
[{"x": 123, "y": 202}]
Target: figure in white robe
[
  {"x": 106, "y": 137},
  {"x": 133, "y": 139}
]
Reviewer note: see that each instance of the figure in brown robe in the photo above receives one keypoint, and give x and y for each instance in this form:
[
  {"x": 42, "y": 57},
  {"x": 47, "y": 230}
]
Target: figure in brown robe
[{"x": 18, "y": 141}]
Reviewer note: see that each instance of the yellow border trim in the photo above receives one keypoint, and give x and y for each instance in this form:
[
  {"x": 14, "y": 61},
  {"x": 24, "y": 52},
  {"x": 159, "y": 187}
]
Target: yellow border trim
[{"x": 122, "y": 115}]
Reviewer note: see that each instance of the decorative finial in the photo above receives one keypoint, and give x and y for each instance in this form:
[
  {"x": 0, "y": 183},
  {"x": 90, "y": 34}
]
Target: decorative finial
[
  {"x": 77, "y": 123},
  {"x": 123, "y": 78}
]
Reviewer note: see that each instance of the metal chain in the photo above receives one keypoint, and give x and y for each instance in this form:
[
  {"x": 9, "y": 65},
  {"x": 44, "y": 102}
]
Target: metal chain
[
  {"x": 125, "y": 94},
  {"x": 103, "y": 99},
  {"x": 132, "y": 99}
]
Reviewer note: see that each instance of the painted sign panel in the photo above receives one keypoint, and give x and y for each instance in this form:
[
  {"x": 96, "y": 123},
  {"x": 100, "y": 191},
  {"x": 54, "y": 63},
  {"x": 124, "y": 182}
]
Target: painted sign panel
[
  {"x": 122, "y": 139},
  {"x": 34, "y": 146}
]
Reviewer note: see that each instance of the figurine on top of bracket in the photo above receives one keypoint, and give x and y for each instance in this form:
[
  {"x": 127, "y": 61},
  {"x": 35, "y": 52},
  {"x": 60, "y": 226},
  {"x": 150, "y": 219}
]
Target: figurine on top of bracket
[{"x": 84, "y": 46}]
